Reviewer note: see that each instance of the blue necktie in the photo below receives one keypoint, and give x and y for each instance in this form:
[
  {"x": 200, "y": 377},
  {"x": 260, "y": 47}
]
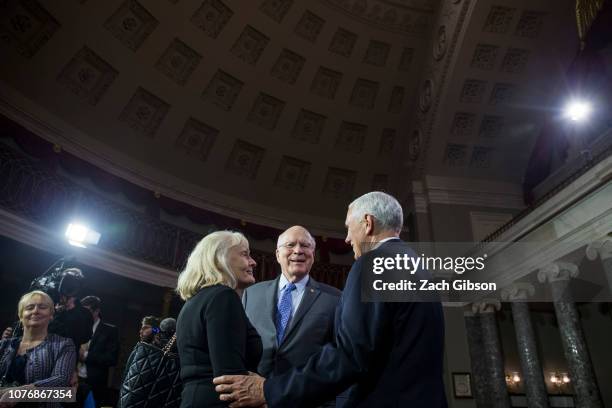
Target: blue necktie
[{"x": 284, "y": 312}]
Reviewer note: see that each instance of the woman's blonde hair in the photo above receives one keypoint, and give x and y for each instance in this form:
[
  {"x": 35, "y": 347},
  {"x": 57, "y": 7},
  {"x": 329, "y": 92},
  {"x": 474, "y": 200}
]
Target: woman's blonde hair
[
  {"x": 208, "y": 263},
  {"x": 28, "y": 296}
]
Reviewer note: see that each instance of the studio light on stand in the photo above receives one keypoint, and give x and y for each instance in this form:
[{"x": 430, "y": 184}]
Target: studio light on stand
[{"x": 80, "y": 235}]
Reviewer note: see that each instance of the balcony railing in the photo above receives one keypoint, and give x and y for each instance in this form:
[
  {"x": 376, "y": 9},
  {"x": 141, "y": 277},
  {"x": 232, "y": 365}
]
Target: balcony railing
[{"x": 38, "y": 193}]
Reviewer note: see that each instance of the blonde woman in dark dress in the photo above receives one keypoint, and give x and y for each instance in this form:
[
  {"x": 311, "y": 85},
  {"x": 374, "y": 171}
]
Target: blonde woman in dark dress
[{"x": 214, "y": 336}]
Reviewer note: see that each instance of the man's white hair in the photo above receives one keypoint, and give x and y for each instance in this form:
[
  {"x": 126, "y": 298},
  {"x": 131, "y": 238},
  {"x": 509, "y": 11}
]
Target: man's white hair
[
  {"x": 281, "y": 238},
  {"x": 383, "y": 207}
]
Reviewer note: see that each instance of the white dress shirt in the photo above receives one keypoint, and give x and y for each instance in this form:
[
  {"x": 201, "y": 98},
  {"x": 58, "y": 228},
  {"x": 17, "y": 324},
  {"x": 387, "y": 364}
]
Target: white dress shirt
[{"x": 296, "y": 295}]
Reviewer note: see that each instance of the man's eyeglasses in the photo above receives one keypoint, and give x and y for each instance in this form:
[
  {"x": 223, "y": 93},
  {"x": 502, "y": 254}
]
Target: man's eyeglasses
[{"x": 292, "y": 245}]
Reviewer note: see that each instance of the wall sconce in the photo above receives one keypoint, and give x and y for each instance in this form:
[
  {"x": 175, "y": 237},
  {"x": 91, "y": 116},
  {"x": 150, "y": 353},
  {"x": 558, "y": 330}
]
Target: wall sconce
[
  {"x": 513, "y": 380},
  {"x": 559, "y": 380}
]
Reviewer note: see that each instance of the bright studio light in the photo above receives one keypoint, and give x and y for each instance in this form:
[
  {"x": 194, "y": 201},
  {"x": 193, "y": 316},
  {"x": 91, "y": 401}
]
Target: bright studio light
[
  {"x": 578, "y": 111},
  {"x": 80, "y": 235}
]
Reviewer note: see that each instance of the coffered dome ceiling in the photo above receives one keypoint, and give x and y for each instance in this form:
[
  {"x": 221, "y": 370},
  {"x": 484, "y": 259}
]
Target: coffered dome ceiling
[{"x": 282, "y": 111}]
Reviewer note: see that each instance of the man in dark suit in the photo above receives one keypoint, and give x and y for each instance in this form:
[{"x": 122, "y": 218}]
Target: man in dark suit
[
  {"x": 99, "y": 354},
  {"x": 392, "y": 352},
  {"x": 290, "y": 336}
]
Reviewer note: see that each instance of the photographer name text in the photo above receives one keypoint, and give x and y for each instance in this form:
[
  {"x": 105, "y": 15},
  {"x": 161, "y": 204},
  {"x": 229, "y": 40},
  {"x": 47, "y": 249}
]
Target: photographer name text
[{"x": 427, "y": 285}]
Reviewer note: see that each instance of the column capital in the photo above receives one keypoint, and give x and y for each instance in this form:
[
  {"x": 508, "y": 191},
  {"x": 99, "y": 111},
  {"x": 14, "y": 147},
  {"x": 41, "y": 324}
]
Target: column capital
[
  {"x": 557, "y": 271},
  {"x": 517, "y": 291},
  {"x": 602, "y": 248},
  {"x": 488, "y": 305}
]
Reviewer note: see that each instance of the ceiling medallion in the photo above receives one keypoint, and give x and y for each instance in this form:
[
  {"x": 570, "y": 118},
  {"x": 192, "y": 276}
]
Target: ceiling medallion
[
  {"x": 439, "y": 48},
  {"x": 426, "y": 95}
]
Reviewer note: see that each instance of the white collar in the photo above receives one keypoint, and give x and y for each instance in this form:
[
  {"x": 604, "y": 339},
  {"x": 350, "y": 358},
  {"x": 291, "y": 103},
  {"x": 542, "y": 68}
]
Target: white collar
[
  {"x": 299, "y": 285},
  {"x": 95, "y": 325}
]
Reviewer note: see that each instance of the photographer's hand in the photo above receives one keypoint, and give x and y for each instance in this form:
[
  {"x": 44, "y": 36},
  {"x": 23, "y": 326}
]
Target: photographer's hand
[{"x": 7, "y": 333}]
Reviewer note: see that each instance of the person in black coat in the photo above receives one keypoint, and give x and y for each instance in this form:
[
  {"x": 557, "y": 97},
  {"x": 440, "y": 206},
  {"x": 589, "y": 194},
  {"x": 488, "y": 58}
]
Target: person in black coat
[
  {"x": 214, "y": 336},
  {"x": 99, "y": 354},
  {"x": 390, "y": 352},
  {"x": 72, "y": 320}
]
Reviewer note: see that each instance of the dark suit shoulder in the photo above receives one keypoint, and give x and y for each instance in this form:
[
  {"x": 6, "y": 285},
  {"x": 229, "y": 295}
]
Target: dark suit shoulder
[{"x": 330, "y": 290}]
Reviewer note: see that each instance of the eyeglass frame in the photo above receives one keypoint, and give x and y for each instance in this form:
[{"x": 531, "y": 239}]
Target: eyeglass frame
[{"x": 292, "y": 245}]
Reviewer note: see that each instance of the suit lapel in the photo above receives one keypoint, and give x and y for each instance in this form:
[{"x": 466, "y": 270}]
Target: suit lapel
[
  {"x": 271, "y": 296},
  {"x": 311, "y": 293}
]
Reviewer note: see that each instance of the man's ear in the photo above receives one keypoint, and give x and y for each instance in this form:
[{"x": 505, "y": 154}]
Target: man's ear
[
  {"x": 369, "y": 224},
  {"x": 277, "y": 257}
]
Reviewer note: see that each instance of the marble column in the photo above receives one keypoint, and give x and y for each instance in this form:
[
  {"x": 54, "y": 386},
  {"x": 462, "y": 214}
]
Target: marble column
[
  {"x": 478, "y": 363},
  {"x": 603, "y": 250},
  {"x": 533, "y": 376},
  {"x": 558, "y": 275},
  {"x": 491, "y": 348}
]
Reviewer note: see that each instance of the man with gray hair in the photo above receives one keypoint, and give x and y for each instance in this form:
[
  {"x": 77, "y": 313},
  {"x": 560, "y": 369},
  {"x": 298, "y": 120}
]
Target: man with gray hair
[
  {"x": 383, "y": 208},
  {"x": 391, "y": 352},
  {"x": 293, "y": 313}
]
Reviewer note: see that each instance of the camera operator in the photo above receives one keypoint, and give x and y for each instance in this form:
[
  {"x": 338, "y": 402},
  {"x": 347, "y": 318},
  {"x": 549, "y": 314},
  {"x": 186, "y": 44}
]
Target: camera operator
[{"x": 73, "y": 321}]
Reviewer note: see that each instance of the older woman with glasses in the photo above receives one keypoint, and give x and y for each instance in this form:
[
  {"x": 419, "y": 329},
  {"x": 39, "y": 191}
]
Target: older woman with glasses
[
  {"x": 38, "y": 358},
  {"x": 214, "y": 336}
]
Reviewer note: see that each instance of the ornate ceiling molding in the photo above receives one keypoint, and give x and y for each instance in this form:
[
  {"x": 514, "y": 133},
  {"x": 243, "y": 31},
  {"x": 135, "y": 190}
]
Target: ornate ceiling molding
[
  {"x": 46, "y": 125},
  {"x": 460, "y": 191},
  {"x": 409, "y": 17},
  {"x": 451, "y": 23}
]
